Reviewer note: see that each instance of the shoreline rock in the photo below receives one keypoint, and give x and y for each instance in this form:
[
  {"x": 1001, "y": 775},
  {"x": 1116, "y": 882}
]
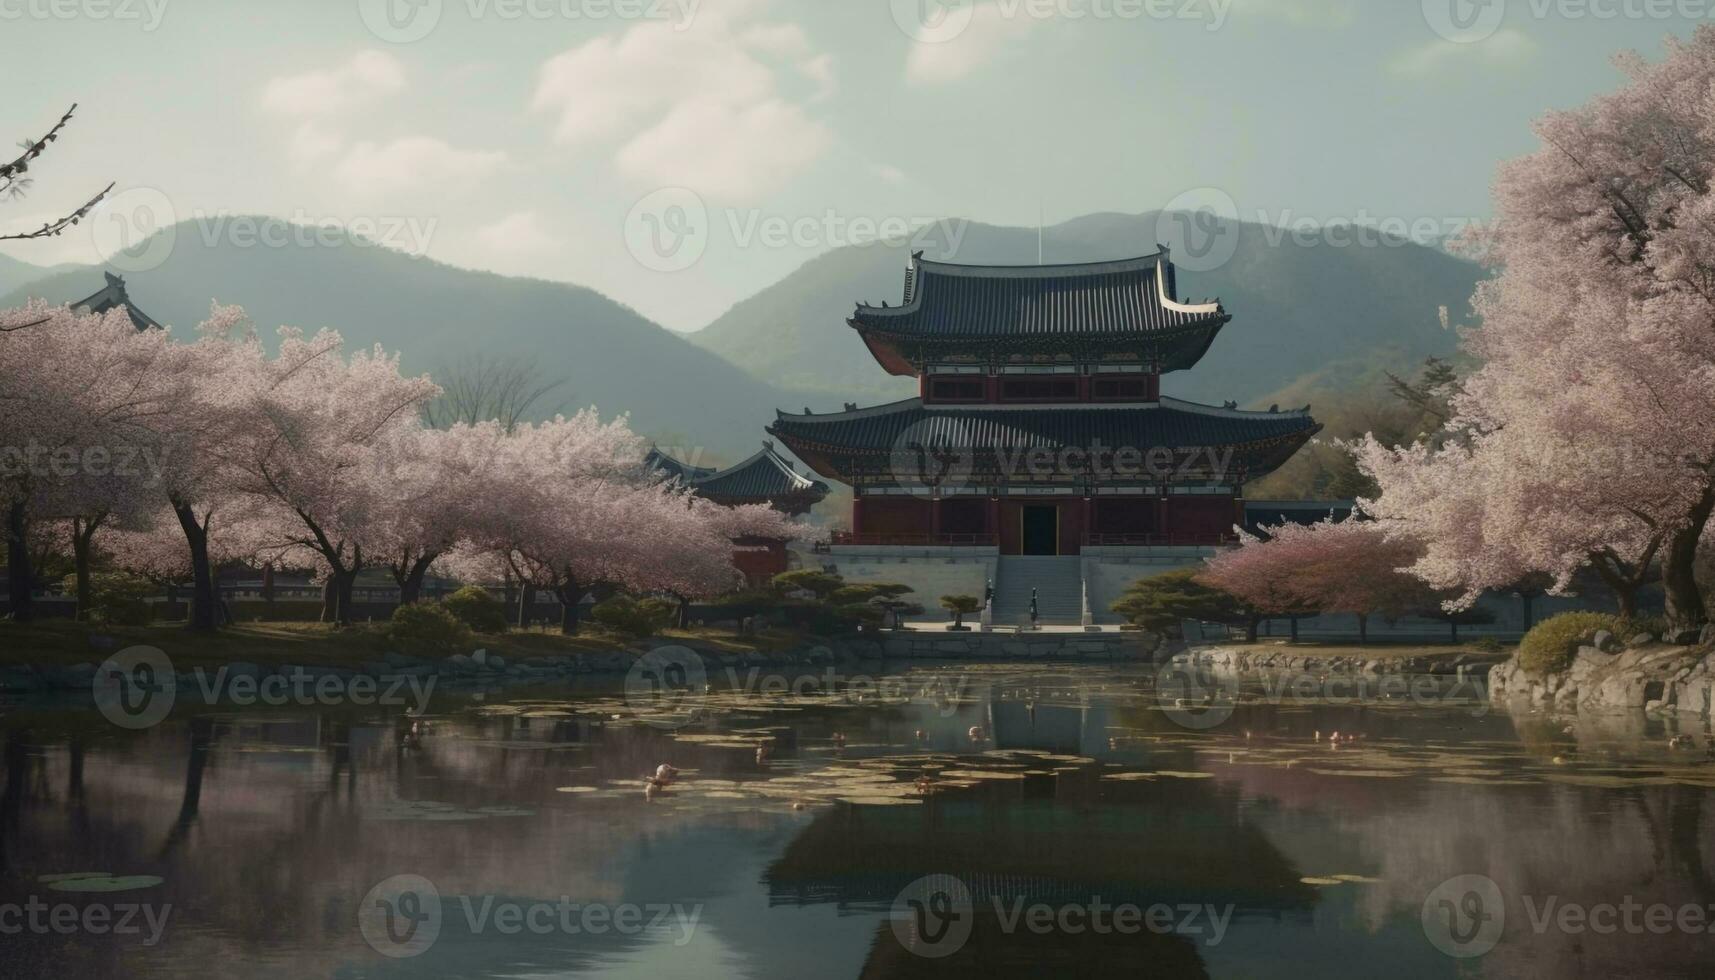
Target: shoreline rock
[{"x": 1651, "y": 679}]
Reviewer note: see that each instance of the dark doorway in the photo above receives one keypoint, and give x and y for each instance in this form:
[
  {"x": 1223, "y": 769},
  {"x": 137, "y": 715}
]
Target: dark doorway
[{"x": 1041, "y": 530}]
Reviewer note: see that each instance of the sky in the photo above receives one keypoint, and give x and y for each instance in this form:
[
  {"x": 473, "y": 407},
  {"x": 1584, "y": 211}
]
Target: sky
[{"x": 679, "y": 155}]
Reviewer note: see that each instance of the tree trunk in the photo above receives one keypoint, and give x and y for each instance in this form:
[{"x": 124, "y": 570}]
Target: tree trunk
[
  {"x": 1453, "y": 624},
  {"x": 1525, "y": 600},
  {"x": 82, "y": 535},
  {"x": 684, "y": 612},
  {"x": 1251, "y": 626},
  {"x": 268, "y": 582},
  {"x": 202, "y": 576},
  {"x": 411, "y": 586},
  {"x": 1685, "y": 608},
  {"x": 569, "y": 609},
  {"x": 526, "y": 599},
  {"x": 345, "y": 584},
  {"x": 19, "y": 574},
  {"x": 1363, "y": 629},
  {"x": 330, "y": 601},
  {"x": 1294, "y": 627}
]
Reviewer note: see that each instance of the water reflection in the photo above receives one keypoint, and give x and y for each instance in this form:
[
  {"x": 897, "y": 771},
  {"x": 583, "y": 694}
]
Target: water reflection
[{"x": 1057, "y": 789}]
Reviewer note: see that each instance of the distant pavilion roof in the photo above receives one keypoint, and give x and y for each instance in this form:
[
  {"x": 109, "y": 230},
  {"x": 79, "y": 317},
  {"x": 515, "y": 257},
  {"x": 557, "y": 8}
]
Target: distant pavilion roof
[
  {"x": 830, "y": 443},
  {"x": 764, "y": 477},
  {"x": 1116, "y": 311},
  {"x": 113, "y": 296}
]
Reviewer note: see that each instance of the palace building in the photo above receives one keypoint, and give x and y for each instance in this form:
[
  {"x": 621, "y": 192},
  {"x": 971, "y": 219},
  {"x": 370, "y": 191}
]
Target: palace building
[
  {"x": 1039, "y": 429},
  {"x": 766, "y": 477}
]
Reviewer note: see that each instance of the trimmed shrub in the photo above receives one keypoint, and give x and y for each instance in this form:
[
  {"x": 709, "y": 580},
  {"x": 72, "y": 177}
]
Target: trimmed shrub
[
  {"x": 116, "y": 599},
  {"x": 426, "y": 629},
  {"x": 1488, "y": 644},
  {"x": 477, "y": 609},
  {"x": 1551, "y": 644},
  {"x": 635, "y": 617}
]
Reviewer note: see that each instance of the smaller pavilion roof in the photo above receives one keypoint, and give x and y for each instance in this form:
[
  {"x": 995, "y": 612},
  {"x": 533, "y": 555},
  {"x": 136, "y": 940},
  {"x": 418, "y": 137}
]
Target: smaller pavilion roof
[{"x": 112, "y": 296}]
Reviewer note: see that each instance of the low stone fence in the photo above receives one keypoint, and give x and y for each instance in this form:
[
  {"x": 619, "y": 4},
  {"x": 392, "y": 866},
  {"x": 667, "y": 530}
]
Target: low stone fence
[{"x": 1288, "y": 660}]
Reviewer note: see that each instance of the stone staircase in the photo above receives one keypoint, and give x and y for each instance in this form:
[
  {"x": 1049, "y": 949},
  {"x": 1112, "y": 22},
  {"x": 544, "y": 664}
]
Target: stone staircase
[{"x": 1059, "y": 585}]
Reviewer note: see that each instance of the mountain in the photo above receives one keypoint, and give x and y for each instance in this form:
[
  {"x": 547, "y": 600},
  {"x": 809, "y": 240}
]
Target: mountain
[
  {"x": 1300, "y": 306},
  {"x": 437, "y": 316},
  {"x": 15, "y": 273}
]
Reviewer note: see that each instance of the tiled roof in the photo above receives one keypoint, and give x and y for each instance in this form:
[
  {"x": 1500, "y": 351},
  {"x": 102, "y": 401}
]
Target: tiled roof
[
  {"x": 676, "y": 469},
  {"x": 113, "y": 296},
  {"x": 1170, "y": 424},
  {"x": 1128, "y": 296},
  {"x": 765, "y": 476}
]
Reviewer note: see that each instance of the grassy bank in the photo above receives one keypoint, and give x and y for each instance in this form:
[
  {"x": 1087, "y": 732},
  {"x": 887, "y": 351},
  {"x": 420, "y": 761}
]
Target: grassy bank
[
  {"x": 1374, "y": 650},
  {"x": 65, "y": 642}
]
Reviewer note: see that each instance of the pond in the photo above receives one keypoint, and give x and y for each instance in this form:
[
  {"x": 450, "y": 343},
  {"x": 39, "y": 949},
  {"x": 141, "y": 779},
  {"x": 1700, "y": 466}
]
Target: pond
[{"x": 953, "y": 820}]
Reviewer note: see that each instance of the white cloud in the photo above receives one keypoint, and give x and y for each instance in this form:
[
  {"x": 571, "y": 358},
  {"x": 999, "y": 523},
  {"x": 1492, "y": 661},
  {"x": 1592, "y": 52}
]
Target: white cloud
[
  {"x": 369, "y": 77},
  {"x": 986, "y": 37},
  {"x": 412, "y": 162},
  {"x": 888, "y": 172},
  {"x": 718, "y": 109},
  {"x": 518, "y": 234},
  {"x": 1507, "y": 48}
]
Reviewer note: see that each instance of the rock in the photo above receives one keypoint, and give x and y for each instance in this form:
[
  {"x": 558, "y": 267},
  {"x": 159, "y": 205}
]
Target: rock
[
  {"x": 1641, "y": 640},
  {"x": 494, "y": 661},
  {"x": 1606, "y": 642},
  {"x": 1682, "y": 638},
  {"x": 458, "y": 663},
  {"x": 1707, "y": 636},
  {"x": 18, "y": 679},
  {"x": 480, "y": 658}
]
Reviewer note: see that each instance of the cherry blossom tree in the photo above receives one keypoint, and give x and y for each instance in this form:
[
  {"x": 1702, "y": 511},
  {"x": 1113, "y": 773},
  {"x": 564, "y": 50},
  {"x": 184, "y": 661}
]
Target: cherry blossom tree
[
  {"x": 1597, "y": 351},
  {"x": 1354, "y": 567},
  {"x": 82, "y": 395},
  {"x": 319, "y": 444},
  {"x": 1264, "y": 574}
]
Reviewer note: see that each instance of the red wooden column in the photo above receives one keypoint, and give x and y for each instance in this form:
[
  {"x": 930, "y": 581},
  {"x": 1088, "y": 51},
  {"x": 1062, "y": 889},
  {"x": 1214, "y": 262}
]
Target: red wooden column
[
  {"x": 994, "y": 518},
  {"x": 934, "y": 519},
  {"x": 1161, "y": 516},
  {"x": 857, "y": 514}
]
